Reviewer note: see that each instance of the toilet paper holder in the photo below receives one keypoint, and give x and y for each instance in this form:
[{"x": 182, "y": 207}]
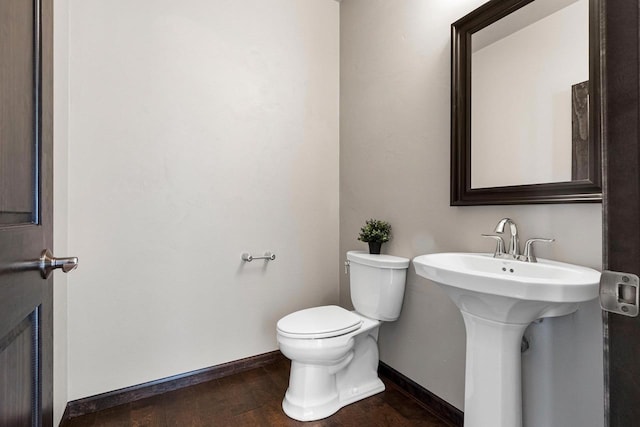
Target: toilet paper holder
[{"x": 268, "y": 256}]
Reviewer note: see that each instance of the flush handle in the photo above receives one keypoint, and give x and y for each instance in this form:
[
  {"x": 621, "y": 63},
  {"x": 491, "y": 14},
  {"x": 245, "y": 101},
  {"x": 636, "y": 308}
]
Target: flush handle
[{"x": 619, "y": 293}]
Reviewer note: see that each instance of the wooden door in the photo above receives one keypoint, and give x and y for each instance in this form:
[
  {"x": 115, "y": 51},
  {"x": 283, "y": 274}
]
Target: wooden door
[
  {"x": 621, "y": 220},
  {"x": 26, "y": 356}
]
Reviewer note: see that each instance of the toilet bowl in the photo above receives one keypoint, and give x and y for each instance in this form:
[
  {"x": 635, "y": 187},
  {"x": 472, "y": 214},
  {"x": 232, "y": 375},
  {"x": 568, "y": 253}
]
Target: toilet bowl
[{"x": 333, "y": 351}]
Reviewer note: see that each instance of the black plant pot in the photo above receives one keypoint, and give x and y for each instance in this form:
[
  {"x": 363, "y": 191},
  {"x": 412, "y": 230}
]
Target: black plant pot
[{"x": 374, "y": 247}]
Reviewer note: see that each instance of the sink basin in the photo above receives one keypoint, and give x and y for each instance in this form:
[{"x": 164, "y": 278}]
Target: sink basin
[
  {"x": 506, "y": 290},
  {"x": 498, "y": 299}
]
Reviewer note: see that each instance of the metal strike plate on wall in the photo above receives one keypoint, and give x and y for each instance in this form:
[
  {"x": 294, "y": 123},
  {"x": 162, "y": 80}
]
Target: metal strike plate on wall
[{"x": 619, "y": 293}]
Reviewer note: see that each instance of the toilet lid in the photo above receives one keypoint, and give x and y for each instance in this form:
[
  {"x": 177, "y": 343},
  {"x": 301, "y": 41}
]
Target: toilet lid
[{"x": 319, "y": 322}]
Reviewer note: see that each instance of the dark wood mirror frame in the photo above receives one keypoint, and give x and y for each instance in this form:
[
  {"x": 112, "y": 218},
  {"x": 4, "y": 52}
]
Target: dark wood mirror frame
[{"x": 585, "y": 190}]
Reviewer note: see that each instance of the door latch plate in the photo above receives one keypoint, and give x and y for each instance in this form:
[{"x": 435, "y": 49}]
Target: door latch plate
[{"x": 619, "y": 293}]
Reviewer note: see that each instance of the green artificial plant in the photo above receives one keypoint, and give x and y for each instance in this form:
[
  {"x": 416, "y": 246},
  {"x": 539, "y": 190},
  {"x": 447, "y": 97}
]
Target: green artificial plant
[{"x": 375, "y": 231}]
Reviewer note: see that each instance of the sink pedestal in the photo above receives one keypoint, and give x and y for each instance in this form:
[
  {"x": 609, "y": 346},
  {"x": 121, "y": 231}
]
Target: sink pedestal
[
  {"x": 493, "y": 379},
  {"x": 498, "y": 299}
]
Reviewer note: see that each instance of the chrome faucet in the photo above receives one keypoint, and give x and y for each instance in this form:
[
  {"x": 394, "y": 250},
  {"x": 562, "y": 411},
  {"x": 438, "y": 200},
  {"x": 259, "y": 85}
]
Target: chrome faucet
[{"x": 514, "y": 243}]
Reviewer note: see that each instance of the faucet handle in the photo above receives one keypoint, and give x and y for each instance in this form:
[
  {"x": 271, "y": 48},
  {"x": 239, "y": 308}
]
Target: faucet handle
[
  {"x": 499, "y": 244},
  {"x": 528, "y": 255}
]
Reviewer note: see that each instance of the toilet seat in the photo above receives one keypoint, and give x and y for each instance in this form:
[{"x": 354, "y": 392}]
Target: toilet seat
[{"x": 319, "y": 322}]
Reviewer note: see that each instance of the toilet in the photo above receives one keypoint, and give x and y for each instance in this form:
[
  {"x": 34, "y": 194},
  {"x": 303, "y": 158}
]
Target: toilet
[{"x": 333, "y": 351}]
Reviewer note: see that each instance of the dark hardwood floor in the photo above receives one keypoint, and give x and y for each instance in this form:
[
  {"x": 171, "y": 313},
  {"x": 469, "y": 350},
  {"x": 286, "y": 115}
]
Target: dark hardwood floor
[{"x": 253, "y": 398}]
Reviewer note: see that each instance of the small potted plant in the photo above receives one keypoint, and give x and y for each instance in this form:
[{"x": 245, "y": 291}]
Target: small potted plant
[{"x": 375, "y": 233}]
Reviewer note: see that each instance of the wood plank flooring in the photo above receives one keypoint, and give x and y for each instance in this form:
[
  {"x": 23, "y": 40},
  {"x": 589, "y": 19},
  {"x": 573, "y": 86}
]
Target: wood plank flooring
[{"x": 253, "y": 398}]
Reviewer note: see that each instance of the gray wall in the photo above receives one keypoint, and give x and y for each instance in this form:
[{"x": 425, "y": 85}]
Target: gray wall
[{"x": 394, "y": 165}]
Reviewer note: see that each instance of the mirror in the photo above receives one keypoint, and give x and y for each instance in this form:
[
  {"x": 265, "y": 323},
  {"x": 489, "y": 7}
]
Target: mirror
[{"x": 524, "y": 128}]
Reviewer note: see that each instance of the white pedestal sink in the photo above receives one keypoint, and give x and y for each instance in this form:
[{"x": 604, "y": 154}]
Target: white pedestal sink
[{"x": 498, "y": 298}]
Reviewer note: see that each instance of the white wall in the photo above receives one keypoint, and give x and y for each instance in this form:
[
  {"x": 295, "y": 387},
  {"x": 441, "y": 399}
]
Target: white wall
[
  {"x": 530, "y": 141},
  {"x": 394, "y": 165},
  {"x": 60, "y": 198},
  {"x": 198, "y": 130}
]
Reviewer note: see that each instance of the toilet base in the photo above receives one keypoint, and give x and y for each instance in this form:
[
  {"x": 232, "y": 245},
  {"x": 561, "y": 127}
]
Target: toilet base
[
  {"x": 330, "y": 407},
  {"x": 317, "y": 390}
]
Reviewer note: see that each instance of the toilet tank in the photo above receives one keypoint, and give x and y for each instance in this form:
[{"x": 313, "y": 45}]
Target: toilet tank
[{"x": 377, "y": 284}]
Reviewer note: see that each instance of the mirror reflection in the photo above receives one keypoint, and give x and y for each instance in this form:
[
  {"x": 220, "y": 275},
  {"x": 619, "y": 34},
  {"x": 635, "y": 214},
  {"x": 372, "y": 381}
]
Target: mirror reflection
[{"x": 529, "y": 97}]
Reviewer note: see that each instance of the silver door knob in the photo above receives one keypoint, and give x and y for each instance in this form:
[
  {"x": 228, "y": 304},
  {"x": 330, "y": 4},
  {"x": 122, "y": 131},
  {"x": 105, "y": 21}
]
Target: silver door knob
[{"x": 48, "y": 263}]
